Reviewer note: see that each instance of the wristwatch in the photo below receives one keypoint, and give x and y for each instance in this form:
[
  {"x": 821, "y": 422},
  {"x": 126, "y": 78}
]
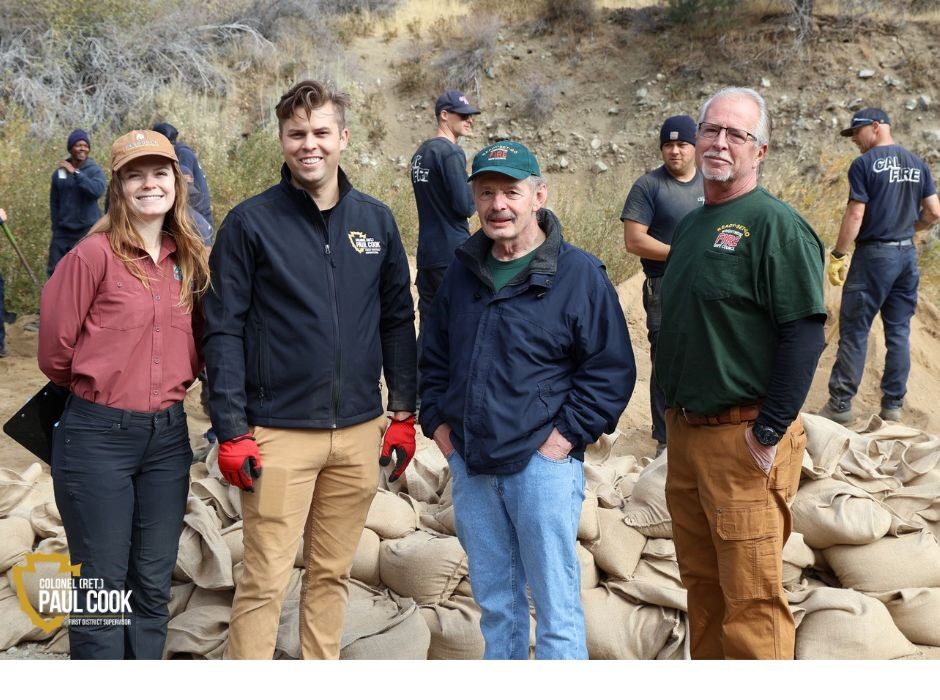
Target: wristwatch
[{"x": 766, "y": 435}]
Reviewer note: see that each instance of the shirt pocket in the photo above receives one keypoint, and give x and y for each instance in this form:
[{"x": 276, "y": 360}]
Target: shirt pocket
[
  {"x": 123, "y": 304},
  {"x": 717, "y": 275},
  {"x": 181, "y": 318}
]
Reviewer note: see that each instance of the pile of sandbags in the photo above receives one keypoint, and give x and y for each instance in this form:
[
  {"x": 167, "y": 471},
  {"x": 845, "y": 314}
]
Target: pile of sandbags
[{"x": 861, "y": 568}]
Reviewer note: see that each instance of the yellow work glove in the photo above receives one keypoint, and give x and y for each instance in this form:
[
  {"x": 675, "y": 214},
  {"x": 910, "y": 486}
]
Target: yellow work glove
[{"x": 837, "y": 270}]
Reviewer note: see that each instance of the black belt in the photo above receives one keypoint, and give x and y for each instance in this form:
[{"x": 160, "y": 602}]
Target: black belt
[{"x": 899, "y": 244}]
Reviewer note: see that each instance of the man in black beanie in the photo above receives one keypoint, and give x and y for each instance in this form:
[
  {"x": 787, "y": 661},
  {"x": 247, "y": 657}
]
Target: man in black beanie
[{"x": 657, "y": 202}]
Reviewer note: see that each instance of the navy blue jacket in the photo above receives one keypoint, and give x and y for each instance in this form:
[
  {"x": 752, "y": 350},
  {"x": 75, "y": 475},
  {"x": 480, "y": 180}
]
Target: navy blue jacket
[
  {"x": 304, "y": 314},
  {"x": 188, "y": 158},
  {"x": 550, "y": 349},
  {"x": 73, "y": 200}
]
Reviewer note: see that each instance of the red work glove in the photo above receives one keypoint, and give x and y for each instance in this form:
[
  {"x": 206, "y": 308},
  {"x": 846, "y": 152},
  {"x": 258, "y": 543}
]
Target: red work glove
[
  {"x": 400, "y": 437},
  {"x": 239, "y": 461}
]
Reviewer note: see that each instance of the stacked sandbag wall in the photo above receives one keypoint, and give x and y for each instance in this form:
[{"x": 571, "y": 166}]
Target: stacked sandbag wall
[{"x": 861, "y": 569}]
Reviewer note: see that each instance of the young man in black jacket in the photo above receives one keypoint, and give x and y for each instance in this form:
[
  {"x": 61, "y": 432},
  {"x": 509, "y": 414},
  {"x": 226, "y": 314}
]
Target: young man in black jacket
[{"x": 310, "y": 302}]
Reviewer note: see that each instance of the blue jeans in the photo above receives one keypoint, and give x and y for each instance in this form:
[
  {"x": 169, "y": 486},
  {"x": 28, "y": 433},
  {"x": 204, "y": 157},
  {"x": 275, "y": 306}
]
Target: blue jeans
[
  {"x": 881, "y": 278},
  {"x": 518, "y": 529}
]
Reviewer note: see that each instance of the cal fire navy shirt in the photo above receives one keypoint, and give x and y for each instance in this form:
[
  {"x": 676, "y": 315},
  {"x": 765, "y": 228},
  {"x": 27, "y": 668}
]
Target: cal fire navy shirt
[{"x": 891, "y": 182}]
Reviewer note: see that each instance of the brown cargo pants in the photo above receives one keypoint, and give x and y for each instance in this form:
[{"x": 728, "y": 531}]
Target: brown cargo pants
[
  {"x": 730, "y": 521},
  {"x": 318, "y": 483}
]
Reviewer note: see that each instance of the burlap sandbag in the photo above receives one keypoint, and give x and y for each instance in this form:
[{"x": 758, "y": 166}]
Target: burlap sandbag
[
  {"x": 455, "y": 629},
  {"x": 845, "y": 624},
  {"x": 392, "y": 516},
  {"x": 891, "y": 563},
  {"x": 439, "y": 518},
  {"x": 464, "y": 588},
  {"x": 588, "y": 527},
  {"x": 425, "y": 477},
  {"x": 202, "y": 597},
  {"x": 600, "y": 480},
  {"x": 590, "y": 574},
  {"x": 203, "y": 557},
  {"x": 646, "y": 510},
  {"x": 198, "y": 633},
  {"x": 234, "y": 538},
  {"x": 365, "y": 566},
  {"x": 654, "y": 582},
  {"x": 617, "y": 550},
  {"x": 214, "y": 493},
  {"x": 15, "y": 626},
  {"x": 54, "y": 545},
  {"x": 16, "y": 539},
  {"x": 380, "y": 627},
  {"x": 180, "y": 593},
  {"x": 423, "y": 566},
  {"x": 43, "y": 572},
  {"x": 15, "y": 486},
  {"x": 46, "y": 520},
  {"x": 916, "y": 612},
  {"x": 796, "y": 557},
  {"x": 619, "y": 629},
  {"x": 916, "y": 506},
  {"x": 829, "y": 512}
]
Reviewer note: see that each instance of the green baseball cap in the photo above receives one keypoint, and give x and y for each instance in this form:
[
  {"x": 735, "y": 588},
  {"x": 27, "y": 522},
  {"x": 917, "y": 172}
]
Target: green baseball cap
[{"x": 508, "y": 158}]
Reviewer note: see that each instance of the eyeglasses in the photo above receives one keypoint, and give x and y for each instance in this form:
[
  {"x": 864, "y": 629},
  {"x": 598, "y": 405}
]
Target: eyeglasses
[{"x": 710, "y": 132}]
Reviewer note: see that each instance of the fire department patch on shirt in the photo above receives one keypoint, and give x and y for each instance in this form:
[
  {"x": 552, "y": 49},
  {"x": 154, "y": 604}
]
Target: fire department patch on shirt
[
  {"x": 177, "y": 273},
  {"x": 364, "y": 243},
  {"x": 729, "y": 236}
]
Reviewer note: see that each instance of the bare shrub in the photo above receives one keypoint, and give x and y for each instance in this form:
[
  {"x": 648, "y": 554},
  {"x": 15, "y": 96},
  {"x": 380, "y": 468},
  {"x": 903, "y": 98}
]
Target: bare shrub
[
  {"x": 463, "y": 63},
  {"x": 539, "y": 98},
  {"x": 96, "y": 74},
  {"x": 567, "y": 16}
]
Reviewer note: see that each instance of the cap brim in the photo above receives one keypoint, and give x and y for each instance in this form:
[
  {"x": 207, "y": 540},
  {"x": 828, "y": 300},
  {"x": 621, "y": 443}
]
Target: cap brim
[
  {"x": 514, "y": 173},
  {"x": 462, "y": 110},
  {"x": 849, "y": 131}
]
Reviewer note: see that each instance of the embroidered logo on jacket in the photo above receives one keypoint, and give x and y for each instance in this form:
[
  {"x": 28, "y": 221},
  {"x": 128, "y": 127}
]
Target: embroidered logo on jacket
[
  {"x": 729, "y": 236},
  {"x": 418, "y": 174},
  {"x": 364, "y": 243}
]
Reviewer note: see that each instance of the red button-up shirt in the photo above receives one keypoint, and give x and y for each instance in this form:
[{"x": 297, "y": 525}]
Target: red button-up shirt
[{"x": 111, "y": 340}]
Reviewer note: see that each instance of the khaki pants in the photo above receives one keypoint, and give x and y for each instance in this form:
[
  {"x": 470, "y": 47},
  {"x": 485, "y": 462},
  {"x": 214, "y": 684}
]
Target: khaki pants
[
  {"x": 319, "y": 483},
  {"x": 730, "y": 522}
]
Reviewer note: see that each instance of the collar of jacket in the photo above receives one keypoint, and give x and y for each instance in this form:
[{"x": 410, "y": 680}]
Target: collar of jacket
[
  {"x": 474, "y": 252},
  {"x": 302, "y": 196}
]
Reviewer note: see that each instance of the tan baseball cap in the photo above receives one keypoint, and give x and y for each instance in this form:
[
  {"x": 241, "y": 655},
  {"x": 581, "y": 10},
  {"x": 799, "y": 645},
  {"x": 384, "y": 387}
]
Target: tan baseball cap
[{"x": 137, "y": 144}]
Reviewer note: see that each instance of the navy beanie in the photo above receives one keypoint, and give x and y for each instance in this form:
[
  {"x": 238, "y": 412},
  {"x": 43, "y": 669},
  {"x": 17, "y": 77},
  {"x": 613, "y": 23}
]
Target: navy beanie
[
  {"x": 678, "y": 128},
  {"x": 75, "y": 137}
]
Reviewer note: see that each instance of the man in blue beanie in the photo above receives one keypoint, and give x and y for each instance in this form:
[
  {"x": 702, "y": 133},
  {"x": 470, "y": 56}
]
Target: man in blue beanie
[
  {"x": 657, "y": 202},
  {"x": 77, "y": 185}
]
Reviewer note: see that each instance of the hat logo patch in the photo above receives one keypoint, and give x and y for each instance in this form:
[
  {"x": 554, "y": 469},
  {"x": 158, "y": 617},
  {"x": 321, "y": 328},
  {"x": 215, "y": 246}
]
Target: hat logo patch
[
  {"x": 498, "y": 154},
  {"x": 673, "y": 135},
  {"x": 463, "y": 99}
]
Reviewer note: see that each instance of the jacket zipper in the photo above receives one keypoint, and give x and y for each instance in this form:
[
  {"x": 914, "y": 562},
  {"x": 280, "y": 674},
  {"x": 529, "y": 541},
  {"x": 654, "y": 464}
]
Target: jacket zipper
[{"x": 337, "y": 354}]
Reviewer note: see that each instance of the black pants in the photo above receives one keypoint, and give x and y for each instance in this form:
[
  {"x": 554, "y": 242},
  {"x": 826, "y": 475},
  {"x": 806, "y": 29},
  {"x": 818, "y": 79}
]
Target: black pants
[
  {"x": 428, "y": 281},
  {"x": 121, "y": 479},
  {"x": 653, "y": 304}
]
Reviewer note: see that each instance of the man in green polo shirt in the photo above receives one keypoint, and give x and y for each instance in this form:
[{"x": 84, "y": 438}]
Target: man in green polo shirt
[{"x": 742, "y": 331}]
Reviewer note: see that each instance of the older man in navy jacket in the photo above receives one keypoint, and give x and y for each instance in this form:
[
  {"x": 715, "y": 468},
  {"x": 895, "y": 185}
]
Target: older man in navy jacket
[{"x": 527, "y": 362}]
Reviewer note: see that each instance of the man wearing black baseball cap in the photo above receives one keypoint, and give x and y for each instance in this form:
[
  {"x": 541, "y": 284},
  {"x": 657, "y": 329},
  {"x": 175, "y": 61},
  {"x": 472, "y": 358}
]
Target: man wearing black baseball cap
[
  {"x": 657, "y": 202},
  {"x": 443, "y": 197},
  {"x": 891, "y": 195},
  {"x": 526, "y": 361}
]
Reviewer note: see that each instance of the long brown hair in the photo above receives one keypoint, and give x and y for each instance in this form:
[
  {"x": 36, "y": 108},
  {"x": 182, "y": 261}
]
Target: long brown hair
[{"x": 191, "y": 254}]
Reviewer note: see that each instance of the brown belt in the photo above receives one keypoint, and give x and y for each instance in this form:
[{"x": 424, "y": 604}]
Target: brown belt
[{"x": 734, "y": 415}]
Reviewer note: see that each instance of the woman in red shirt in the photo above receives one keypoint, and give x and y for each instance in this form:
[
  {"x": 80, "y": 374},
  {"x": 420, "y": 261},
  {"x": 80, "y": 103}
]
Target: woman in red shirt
[{"x": 118, "y": 331}]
